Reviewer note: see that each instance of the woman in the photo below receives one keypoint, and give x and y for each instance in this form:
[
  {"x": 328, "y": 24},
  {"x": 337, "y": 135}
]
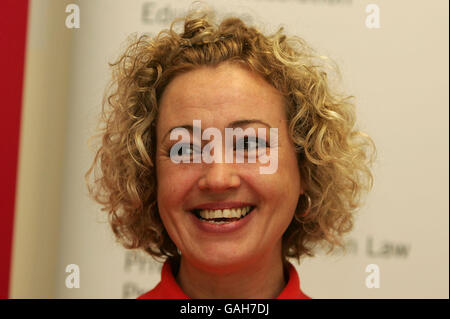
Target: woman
[{"x": 224, "y": 228}]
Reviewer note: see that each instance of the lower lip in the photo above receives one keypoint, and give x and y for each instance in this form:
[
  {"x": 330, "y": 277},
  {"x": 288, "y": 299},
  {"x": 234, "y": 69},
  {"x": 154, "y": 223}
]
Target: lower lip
[{"x": 222, "y": 228}]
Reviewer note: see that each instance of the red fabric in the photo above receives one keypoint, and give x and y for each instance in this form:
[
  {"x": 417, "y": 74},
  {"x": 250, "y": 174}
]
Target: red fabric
[
  {"x": 168, "y": 288},
  {"x": 13, "y": 27}
]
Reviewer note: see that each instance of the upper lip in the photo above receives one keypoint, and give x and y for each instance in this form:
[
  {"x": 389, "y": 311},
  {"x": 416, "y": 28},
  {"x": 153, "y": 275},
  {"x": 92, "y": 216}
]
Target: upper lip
[{"x": 222, "y": 205}]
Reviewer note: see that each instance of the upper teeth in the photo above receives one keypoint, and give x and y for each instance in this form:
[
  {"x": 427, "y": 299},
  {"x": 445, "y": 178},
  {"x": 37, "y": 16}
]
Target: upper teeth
[{"x": 225, "y": 213}]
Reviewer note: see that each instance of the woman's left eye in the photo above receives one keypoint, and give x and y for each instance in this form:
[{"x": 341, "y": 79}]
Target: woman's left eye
[{"x": 249, "y": 143}]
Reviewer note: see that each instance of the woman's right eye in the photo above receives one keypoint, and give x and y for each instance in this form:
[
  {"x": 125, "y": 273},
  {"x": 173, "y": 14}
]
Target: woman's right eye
[{"x": 188, "y": 150}]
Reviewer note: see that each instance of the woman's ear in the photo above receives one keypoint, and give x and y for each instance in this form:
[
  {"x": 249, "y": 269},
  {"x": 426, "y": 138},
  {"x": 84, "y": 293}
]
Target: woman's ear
[{"x": 302, "y": 189}]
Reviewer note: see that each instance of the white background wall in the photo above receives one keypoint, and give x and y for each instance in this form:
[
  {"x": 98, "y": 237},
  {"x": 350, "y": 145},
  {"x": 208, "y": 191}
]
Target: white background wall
[
  {"x": 41, "y": 154},
  {"x": 399, "y": 75}
]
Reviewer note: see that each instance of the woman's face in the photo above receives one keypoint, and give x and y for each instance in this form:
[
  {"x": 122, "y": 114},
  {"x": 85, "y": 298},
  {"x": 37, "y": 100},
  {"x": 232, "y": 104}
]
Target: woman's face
[{"x": 224, "y": 97}]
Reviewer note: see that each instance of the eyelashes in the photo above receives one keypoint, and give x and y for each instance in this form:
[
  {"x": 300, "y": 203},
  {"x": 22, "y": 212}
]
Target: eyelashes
[
  {"x": 188, "y": 150},
  {"x": 249, "y": 143}
]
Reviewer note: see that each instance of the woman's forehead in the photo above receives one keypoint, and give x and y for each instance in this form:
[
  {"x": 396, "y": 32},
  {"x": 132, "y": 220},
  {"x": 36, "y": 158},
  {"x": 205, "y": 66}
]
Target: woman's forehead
[{"x": 227, "y": 93}]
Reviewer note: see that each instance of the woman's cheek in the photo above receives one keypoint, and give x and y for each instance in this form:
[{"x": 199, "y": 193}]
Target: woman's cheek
[{"x": 174, "y": 181}]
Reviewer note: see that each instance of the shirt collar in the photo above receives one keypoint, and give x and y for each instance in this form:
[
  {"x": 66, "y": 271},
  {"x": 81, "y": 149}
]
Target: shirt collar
[{"x": 168, "y": 288}]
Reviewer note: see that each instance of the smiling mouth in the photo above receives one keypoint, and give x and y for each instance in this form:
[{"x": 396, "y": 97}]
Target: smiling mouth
[{"x": 222, "y": 216}]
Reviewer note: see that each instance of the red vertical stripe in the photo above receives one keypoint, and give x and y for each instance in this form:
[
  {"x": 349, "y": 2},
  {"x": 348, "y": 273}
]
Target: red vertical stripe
[{"x": 13, "y": 27}]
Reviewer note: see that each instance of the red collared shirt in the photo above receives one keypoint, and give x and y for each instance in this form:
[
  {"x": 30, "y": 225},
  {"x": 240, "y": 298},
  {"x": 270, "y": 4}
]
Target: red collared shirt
[{"x": 168, "y": 288}]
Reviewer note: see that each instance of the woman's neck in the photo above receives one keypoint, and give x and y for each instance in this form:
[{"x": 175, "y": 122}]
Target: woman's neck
[{"x": 260, "y": 280}]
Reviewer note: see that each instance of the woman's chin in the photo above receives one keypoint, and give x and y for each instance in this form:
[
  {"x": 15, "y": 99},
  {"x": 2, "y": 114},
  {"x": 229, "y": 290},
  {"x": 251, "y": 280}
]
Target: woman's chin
[{"x": 222, "y": 261}]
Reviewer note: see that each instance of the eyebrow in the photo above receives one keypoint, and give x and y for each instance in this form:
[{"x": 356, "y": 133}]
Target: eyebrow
[
  {"x": 238, "y": 123},
  {"x": 188, "y": 127}
]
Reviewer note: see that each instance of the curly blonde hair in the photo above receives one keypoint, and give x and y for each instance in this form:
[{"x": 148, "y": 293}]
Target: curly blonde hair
[{"x": 333, "y": 157}]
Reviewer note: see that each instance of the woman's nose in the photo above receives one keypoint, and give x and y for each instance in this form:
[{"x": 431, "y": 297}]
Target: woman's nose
[{"x": 219, "y": 177}]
